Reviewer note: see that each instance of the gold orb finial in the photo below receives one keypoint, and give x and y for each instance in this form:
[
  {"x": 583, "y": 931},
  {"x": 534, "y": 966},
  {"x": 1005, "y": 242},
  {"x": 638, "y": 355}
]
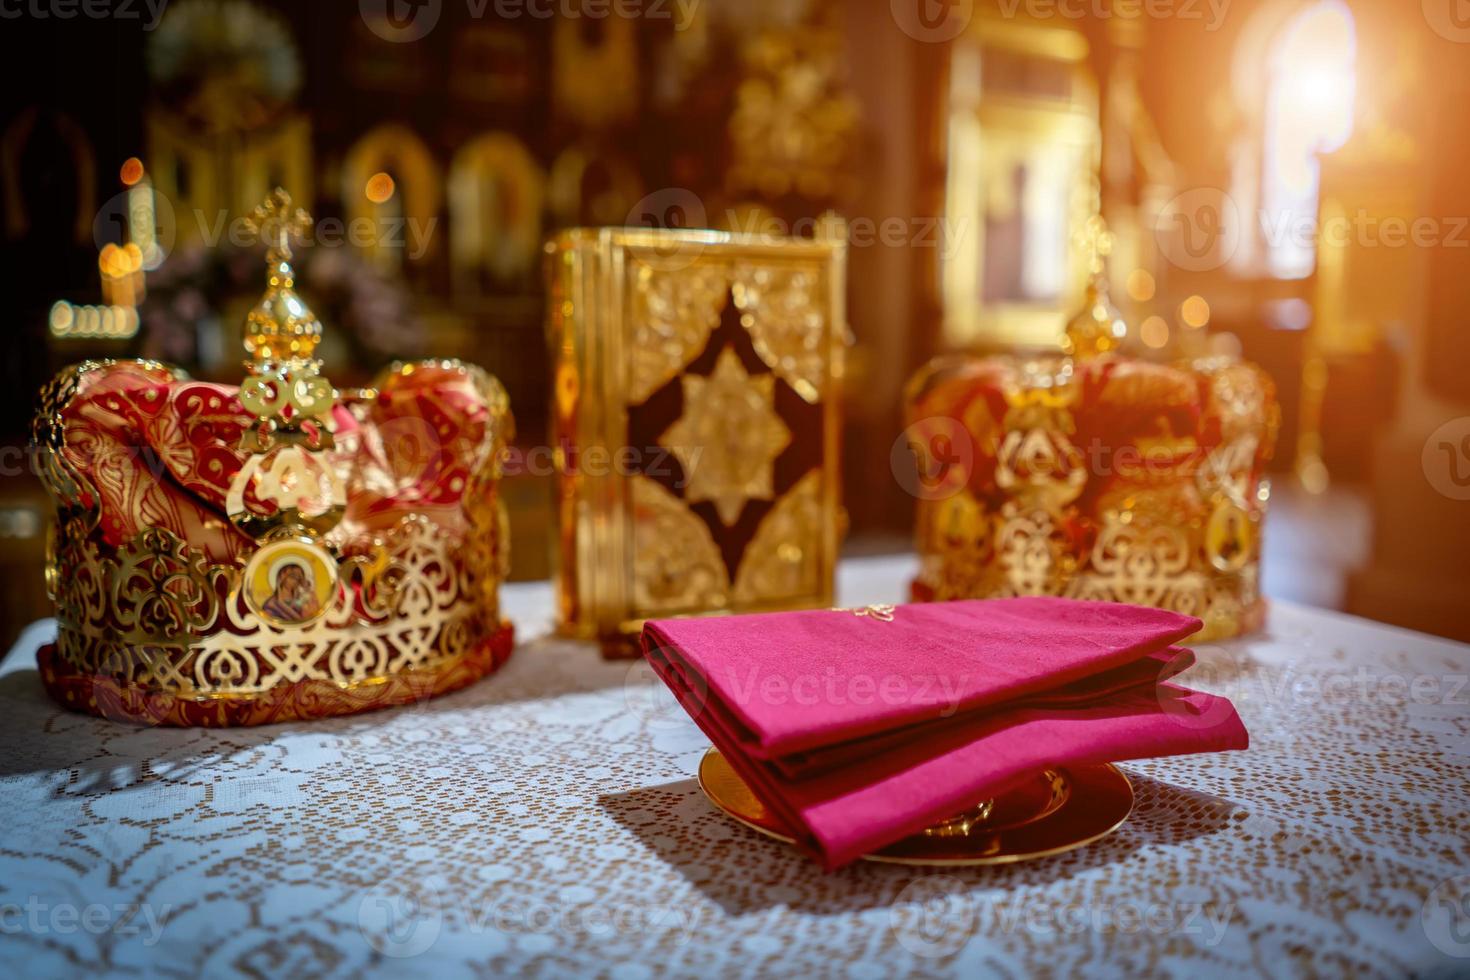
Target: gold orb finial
[
  {"x": 284, "y": 390},
  {"x": 280, "y": 328}
]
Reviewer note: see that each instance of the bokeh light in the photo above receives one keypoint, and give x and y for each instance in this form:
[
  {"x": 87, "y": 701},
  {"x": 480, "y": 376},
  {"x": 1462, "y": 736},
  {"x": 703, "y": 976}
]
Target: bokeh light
[
  {"x": 1154, "y": 332},
  {"x": 379, "y": 188},
  {"x": 131, "y": 172},
  {"x": 1141, "y": 285},
  {"x": 1195, "y": 312}
]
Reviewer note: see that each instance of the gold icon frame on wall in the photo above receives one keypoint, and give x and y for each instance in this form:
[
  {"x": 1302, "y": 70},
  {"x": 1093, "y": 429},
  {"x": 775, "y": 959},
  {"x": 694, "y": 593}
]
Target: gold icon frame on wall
[{"x": 1041, "y": 133}]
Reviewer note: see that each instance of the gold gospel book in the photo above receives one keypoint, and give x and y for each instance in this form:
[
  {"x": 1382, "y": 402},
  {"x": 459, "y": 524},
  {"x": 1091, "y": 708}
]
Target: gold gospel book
[{"x": 695, "y": 423}]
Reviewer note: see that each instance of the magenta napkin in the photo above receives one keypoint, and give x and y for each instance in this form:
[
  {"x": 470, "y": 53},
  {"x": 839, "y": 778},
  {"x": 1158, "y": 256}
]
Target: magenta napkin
[
  {"x": 801, "y": 679},
  {"x": 857, "y": 730}
]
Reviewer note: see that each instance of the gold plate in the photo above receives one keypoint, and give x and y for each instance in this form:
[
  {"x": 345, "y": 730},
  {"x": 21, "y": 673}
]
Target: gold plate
[{"x": 1066, "y": 809}]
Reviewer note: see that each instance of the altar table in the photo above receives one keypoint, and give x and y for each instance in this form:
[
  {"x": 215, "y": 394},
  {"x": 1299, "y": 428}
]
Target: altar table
[{"x": 546, "y": 822}]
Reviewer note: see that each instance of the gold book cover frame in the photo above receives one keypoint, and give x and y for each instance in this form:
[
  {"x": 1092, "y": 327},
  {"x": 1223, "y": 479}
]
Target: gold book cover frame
[{"x": 629, "y": 310}]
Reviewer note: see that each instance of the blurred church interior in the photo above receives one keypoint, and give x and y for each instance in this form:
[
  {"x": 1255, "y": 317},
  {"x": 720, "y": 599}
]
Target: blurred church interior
[{"x": 956, "y": 165}]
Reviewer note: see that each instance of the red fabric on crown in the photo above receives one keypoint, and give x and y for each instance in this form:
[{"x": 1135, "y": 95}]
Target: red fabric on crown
[{"x": 161, "y": 452}]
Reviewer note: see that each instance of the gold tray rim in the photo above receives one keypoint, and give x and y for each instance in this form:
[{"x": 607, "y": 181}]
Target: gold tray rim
[{"x": 713, "y": 755}]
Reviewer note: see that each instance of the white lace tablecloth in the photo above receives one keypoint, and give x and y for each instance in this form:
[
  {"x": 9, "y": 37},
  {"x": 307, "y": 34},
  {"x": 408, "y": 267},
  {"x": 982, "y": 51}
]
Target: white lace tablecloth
[{"x": 546, "y": 822}]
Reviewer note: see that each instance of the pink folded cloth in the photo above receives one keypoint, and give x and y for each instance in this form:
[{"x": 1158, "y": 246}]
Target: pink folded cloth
[
  {"x": 858, "y": 730},
  {"x": 1145, "y": 674}
]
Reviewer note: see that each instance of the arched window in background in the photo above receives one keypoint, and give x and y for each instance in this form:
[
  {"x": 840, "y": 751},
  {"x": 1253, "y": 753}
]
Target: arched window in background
[
  {"x": 391, "y": 180},
  {"x": 1311, "y": 88}
]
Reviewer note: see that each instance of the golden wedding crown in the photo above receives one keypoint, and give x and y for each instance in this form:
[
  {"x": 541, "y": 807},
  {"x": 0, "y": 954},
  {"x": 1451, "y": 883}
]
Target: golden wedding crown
[
  {"x": 277, "y": 552},
  {"x": 1093, "y": 474}
]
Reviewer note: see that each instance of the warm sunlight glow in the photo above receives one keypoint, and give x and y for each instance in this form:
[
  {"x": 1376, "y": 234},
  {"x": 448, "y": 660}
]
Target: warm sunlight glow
[{"x": 1309, "y": 112}]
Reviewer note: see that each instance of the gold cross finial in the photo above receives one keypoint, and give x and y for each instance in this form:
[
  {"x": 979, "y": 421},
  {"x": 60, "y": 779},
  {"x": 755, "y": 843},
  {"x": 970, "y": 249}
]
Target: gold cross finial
[
  {"x": 1098, "y": 242},
  {"x": 1098, "y": 327},
  {"x": 275, "y": 222},
  {"x": 280, "y": 327}
]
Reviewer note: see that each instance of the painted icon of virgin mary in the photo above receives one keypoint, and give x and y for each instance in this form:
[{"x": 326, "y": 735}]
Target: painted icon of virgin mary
[{"x": 294, "y": 597}]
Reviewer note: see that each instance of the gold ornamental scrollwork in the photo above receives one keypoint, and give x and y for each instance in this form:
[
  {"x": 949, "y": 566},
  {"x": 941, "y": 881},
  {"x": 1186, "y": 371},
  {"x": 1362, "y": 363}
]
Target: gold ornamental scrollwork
[
  {"x": 162, "y": 592},
  {"x": 1038, "y": 463},
  {"x": 165, "y": 620},
  {"x": 779, "y": 560},
  {"x": 313, "y": 618},
  {"x": 1034, "y": 554},
  {"x": 634, "y": 312},
  {"x": 676, "y": 564},
  {"x": 1142, "y": 563},
  {"x": 781, "y": 308},
  {"x": 287, "y": 477},
  {"x": 673, "y": 314}
]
